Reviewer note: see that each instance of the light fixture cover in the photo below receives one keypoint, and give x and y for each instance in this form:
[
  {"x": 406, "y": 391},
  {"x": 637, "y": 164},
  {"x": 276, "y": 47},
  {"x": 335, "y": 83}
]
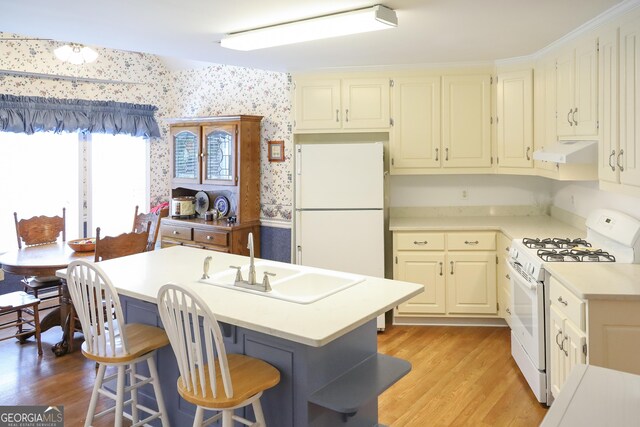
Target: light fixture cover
[
  {"x": 75, "y": 54},
  {"x": 340, "y": 24}
]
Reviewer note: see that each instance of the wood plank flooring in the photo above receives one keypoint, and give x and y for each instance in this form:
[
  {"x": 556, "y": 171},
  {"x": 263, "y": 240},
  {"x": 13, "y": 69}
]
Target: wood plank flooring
[{"x": 460, "y": 376}]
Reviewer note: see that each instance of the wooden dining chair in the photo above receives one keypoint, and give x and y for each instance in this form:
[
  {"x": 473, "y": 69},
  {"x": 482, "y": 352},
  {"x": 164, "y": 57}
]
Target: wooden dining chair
[
  {"x": 41, "y": 230},
  {"x": 140, "y": 221},
  {"x": 111, "y": 342},
  {"x": 110, "y": 247},
  {"x": 20, "y": 302},
  {"x": 209, "y": 377}
]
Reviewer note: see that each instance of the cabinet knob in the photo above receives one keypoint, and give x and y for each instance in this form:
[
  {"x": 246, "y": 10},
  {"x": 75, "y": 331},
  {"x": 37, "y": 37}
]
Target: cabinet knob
[
  {"x": 508, "y": 310},
  {"x": 175, "y": 232},
  {"x": 507, "y": 276},
  {"x": 209, "y": 237},
  {"x": 561, "y": 301},
  {"x": 573, "y": 116},
  {"x": 440, "y": 268},
  {"x": 451, "y": 262},
  {"x": 436, "y": 154},
  {"x": 528, "y": 150},
  {"x": 568, "y": 119},
  {"x": 475, "y": 242},
  {"x": 423, "y": 242}
]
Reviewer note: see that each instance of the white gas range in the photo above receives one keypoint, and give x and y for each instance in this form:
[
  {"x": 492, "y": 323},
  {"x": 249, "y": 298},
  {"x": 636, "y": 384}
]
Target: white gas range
[{"x": 611, "y": 237}]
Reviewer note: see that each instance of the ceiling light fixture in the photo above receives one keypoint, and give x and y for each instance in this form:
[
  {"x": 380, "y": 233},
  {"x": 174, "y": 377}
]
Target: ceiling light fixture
[
  {"x": 323, "y": 27},
  {"x": 75, "y": 54}
]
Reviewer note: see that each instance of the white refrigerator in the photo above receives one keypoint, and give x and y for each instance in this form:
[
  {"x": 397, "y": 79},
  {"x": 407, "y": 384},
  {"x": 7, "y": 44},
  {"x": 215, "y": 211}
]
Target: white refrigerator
[{"x": 339, "y": 209}]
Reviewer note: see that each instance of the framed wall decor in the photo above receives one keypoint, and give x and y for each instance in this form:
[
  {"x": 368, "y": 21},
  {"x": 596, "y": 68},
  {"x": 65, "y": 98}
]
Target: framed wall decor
[{"x": 276, "y": 151}]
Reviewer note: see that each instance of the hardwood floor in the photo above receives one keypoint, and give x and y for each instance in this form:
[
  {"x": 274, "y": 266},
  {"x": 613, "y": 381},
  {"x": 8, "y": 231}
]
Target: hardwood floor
[{"x": 460, "y": 376}]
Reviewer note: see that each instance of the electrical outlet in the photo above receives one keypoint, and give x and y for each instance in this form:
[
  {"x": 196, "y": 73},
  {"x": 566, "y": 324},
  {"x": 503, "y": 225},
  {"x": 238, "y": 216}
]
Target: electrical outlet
[{"x": 465, "y": 194}]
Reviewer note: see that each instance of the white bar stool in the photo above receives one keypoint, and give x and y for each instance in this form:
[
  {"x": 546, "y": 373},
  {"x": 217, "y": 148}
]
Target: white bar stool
[
  {"x": 111, "y": 342},
  {"x": 209, "y": 378}
]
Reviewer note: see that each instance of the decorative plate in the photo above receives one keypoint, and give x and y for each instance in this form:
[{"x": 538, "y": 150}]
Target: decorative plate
[
  {"x": 222, "y": 205},
  {"x": 202, "y": 202}
]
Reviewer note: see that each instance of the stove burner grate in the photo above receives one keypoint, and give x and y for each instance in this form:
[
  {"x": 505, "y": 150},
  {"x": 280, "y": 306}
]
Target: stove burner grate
[
  {"x": 554, "y": 243},
  {"x": 575, "y": 255}
]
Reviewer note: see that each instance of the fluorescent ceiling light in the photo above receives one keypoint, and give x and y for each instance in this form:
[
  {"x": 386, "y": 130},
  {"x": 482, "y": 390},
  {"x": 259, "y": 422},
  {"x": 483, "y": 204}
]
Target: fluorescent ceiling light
[
  {"x": 340, "y": 24},
  {"x": 75, "y": 54}
]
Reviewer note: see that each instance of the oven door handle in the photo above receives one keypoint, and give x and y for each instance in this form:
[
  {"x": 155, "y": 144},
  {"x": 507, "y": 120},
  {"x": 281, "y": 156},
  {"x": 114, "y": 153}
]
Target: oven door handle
[{"x": 515, "y": 275}]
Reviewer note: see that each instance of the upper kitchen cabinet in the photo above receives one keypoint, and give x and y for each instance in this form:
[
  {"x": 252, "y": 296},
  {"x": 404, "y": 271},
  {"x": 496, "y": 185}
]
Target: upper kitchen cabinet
[
  {"x": 514, "y": 119},
  {"x": 609, "y": 149},
  {"x": 341, "y": 104},
  {"x": 628, "y": 158},
  {"x": 577, "y": 91},
  {"x": 466, "y": 127},
  {"x": 545, "y": 127},
  {"x": 415, "y": 135},
  {"x": 214, "y": 150}
]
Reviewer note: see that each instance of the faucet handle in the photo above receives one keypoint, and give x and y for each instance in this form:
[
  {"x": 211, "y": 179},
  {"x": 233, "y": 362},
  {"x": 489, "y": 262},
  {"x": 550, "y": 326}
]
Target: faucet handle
[
  {"x": 265, "y": 281},
  {"x": 205, "y": 267},
  {"x": 238, "y": 273}
]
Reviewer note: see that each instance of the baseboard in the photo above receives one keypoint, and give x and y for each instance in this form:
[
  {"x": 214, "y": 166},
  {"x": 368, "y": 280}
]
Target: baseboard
[{"x": 450, "y": 321}]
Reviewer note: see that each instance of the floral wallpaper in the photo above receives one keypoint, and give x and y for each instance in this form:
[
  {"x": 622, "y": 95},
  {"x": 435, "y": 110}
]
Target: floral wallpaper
[{"x": 29, "y": 68}]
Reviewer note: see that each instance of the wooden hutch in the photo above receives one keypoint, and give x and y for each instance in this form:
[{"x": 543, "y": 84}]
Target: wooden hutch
[{"x": 221, "y": 157}]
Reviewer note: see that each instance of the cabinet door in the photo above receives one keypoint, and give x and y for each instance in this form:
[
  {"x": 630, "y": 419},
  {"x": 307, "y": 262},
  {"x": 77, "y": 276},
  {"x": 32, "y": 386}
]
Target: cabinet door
[
  {"x": 629, "y": 155},
  {"x": 515, "y": 119},
  {"x": 185, "y": 148},
  {"x": 415, "y": 135},
  {"x": 425, "y": 268},
  {"x": 574, "y": 346},
  {"x": 219, "y": 154},
  {"x": 317, "y": 104},
  {"x": 466, "y": 115},
  {"x": 557, "y": 364},
  {"x": 471, "y": 282},
  {"x": 608, "y": 105},
  {"x": 585, "y": 115},
  {"x": 365, "y": 103},
  {"x": 545, "y": 110},
  {"x": 564, "y": 94}
]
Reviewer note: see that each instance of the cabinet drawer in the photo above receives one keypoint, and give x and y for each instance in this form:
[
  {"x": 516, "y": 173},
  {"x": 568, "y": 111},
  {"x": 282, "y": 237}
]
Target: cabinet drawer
[
  {"x": 419, "y": 241},
  {"x": 567, "y": 303},
  {"x": 211, "y": 237},
  {"x": 471, "y": 241},
  {"x": 176, "y": 232}
]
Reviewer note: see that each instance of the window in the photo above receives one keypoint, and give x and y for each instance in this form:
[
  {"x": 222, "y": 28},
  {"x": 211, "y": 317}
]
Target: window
[
  {"x": 44, "y": 172},
  {"x": 119, "y": 181}
]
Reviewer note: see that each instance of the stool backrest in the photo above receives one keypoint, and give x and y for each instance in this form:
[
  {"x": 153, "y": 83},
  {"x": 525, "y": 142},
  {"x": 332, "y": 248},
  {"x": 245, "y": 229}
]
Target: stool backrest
[
  {"x": 193, "y": 332},
  {"x": 40, "y": 230},
  {"x": 98, "y": 307}
]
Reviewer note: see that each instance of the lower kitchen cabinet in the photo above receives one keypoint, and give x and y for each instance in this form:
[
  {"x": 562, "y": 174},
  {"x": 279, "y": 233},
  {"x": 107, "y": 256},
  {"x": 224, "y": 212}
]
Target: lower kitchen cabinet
[
  {"x": 567, "y": 334},
  {"x": 457, "y": 270},
  {"x": 213, "y": 235},
  {"x": 503, "y": 280}
]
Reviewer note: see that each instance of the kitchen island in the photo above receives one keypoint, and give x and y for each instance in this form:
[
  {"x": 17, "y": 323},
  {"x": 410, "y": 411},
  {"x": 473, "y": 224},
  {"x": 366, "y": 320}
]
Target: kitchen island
[{"x": 326, "y": 351}]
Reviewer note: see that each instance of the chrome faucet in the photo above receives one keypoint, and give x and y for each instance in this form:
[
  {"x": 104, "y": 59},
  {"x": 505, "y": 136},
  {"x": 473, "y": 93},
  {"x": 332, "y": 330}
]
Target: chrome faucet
[
  {"x": 252, "y": 267},
  {"x": 251, "y": 282}
]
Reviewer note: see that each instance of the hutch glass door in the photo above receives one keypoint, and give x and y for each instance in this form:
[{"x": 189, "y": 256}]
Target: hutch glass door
[
  {"x": 219, "y": 165},
  {"x": 186, "y": 151}
]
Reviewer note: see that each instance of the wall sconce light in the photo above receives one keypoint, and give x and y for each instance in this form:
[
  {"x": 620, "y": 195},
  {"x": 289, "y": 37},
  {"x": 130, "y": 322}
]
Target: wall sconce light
[
  {"x": 76, "y": 54},
  {"x": 340, "y": 24}
]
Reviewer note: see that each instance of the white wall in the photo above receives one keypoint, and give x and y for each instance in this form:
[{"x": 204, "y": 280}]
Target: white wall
[
  {"x": 581, "y": 198},
  {"x": 481, "y": 190}
]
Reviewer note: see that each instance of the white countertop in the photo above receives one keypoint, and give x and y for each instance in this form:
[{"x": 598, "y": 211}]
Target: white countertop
[
  {"x": 587, "y": 280},
  {"x": 512, "y": 226},
  {"x": 598, "y": 280},
  {"x": 595, "y": 396},
  {"x": 141, "y": 276}
]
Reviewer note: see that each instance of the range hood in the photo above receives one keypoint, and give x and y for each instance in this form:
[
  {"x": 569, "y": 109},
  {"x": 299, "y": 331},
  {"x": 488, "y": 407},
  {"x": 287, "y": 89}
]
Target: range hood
[{"x": 569, "y": 152}]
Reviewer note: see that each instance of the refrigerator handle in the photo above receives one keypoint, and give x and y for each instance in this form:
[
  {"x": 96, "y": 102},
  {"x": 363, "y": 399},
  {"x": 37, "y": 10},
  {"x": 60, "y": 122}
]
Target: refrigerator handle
[
  {"x": 299, "y": 160},
  {"x": 299, "y": 255}
]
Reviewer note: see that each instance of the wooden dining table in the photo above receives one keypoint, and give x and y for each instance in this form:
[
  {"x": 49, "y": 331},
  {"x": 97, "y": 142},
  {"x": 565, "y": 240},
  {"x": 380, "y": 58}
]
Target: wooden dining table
[{"x": 45, "y": 260}]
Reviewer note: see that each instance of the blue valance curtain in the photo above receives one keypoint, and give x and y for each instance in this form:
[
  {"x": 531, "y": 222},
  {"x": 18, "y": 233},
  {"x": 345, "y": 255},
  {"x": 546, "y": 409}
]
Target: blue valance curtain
[{"x": 29, "y": 114}]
